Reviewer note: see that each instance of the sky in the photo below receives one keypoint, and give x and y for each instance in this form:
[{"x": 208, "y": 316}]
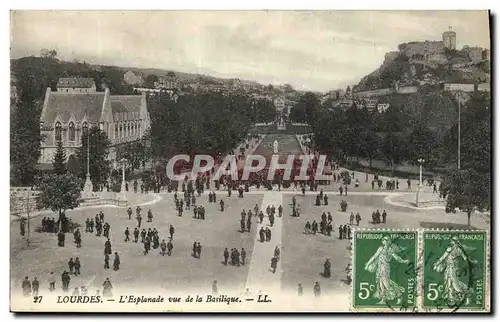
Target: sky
[{"x": 311, "y": 50}]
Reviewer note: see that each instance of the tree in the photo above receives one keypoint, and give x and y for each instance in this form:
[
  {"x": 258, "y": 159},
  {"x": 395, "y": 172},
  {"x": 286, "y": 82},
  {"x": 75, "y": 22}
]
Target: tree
[
  {"x": 422, "y": 143},
  {"x": 306, "y": 109},
  {"x": 467, "y": 190},
  {"x": 150, "y": 81},
  {"x": 59, "y": 161},
  {"x": 264, "y": 111},
  {"x": 72, "y": 166},
  {"x": 25, "y": 131},
  {"x": 370, "y": 145},
  {"x": 98, "y": 153},
  {"x": 206, "y": 123},
  {"x": 393, "y": 148},
  {"x": 59, "y": 193}
]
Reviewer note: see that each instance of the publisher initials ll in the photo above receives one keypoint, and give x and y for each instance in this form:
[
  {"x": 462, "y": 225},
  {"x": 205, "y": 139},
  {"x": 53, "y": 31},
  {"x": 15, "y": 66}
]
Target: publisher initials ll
[{"x": 263, "y": 298}]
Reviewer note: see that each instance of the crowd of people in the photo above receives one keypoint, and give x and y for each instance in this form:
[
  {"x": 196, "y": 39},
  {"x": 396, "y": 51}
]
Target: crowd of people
[
  {"x": 376, "y": 217},
  {"x": 235, "y": 256}
]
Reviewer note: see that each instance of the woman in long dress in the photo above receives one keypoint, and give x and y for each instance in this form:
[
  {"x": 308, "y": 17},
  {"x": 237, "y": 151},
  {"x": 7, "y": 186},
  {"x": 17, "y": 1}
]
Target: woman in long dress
[
  {"x": 386, "y": 289},
  {"x": 455, "y": 291}
]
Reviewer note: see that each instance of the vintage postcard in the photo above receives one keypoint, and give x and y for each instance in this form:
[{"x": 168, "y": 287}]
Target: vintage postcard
[{"x": 250, "y": 161}]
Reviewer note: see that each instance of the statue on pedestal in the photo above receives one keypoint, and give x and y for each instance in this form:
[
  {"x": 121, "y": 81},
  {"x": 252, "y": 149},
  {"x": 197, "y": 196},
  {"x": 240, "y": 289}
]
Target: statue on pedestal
[{"x": 275, "y": 147}]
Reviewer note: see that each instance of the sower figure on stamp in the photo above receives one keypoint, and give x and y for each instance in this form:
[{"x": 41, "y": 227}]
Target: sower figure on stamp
[
  {"x": 386, "y": 289},
  {"x": 455, "y": 291}
]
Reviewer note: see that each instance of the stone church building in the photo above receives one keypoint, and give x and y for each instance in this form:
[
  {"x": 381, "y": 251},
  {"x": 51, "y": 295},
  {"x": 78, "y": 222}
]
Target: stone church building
[{"x": 76, "y": 106}]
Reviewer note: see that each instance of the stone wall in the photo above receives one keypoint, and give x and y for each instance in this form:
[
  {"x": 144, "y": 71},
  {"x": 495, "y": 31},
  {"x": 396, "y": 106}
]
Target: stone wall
[{"x": 23, "y": 199}]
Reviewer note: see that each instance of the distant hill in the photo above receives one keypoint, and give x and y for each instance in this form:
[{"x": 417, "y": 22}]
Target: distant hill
[
  {"x": 48, "y": 70},
  {"x": 183, "y": 76},
  {"x": 450, "y": 66}
]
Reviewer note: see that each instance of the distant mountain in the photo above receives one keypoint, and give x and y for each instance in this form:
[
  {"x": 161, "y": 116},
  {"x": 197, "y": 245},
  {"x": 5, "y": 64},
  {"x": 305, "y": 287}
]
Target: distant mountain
[
  {"x": 183, "y": 76},
  {"x": 64, "y": 69},
  {"x": 407, "y": 68}
]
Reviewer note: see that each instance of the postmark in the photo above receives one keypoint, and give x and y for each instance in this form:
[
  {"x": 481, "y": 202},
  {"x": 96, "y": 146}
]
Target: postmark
[
  {"x": 454, "y": 270},
  {"x": 384, "y": 270}
]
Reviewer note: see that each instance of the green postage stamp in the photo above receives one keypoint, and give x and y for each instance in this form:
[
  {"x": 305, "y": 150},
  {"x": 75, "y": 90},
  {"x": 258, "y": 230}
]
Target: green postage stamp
[
  {"x": 384, "y": 270},
  {"x": 454, "y": 270}
]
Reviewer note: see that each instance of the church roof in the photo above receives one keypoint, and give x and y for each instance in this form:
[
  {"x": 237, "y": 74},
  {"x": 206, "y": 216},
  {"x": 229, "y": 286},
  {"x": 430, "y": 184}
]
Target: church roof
[
  {"x": 121, "y": 104},
  {"x": 77, "y": 105},
  {"x": 75, "y": 82},
  {"x": 126, "y": 103}
]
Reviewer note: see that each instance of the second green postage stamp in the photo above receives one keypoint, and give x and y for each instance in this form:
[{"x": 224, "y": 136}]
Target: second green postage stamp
[
  {"x": 384, "y": 270},
  {"x": 454, "y": 270}
]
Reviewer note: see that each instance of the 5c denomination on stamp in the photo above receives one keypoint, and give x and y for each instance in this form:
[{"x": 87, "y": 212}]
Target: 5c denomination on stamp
[
  {"x": 454, "y": 269},
  {"x": 384, "y": 264}
]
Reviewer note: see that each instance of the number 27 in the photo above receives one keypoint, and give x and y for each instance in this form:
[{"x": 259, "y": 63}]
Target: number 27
[{"x": 37, "y": 299}]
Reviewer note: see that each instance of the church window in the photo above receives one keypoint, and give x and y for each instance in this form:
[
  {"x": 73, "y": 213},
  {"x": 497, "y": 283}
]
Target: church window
[
  {"x": 71, "y": 132},
  {"x": 58, "y": 131}
]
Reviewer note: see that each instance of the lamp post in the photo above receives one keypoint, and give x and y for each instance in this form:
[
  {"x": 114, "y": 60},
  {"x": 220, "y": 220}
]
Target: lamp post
[
  {"x": 420, "y": 161},
  {"x": 87, "y": 188},
  {"x": 459, "y": 108},
  {"x": 122, "y": 197},
  {"x": 28, "y": 215}
]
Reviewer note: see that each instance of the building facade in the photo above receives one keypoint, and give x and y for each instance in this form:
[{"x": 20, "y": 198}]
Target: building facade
[
  {"x": 68, "y": 115},
  {"x": 167, "y": 82},
  {"x": 450, "y": 87},
  {"x": 132, "y": 79},
  {"x": 450, "y": 39},
  {"x": 76, "y": 85}
]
